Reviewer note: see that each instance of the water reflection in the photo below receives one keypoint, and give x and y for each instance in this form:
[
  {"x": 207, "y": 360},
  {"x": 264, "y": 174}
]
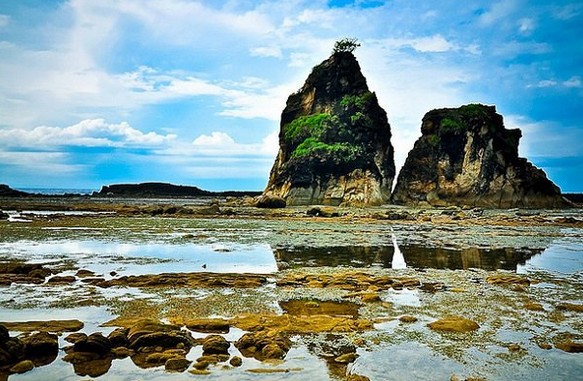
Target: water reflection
[{"x": 398, "y": 257}]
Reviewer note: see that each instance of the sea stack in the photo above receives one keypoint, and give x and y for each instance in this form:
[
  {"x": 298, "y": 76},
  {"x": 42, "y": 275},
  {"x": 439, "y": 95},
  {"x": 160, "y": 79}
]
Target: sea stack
[
  {"x": 334, "y": 140},
  {"x": 466, "y": 156}
]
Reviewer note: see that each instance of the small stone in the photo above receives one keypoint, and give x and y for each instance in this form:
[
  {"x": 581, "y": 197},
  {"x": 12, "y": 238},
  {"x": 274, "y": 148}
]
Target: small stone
[
  {"x": 534, "y": 306},
  {"x": 177, "y": 365},
  {"x": 545, "y": 346},
  {"x": 121, "y": 352},
  {"x": 272, "y": 351},
  {"x": 236, "y": 361},
  {"x": 22, "y": 367},
  {"x": 407, "y": 319},
  {"x": 514, "y": 347},
  {"x": 199, "y": 372},
  {"x": 346, "y": 358},
  {"x": 570, "y": 307}
]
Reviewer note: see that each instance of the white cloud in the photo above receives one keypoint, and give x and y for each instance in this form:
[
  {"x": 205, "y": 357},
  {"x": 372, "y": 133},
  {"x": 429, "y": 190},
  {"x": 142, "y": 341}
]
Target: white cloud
[
  {"x": 267, "y": 51},
  {"x": 87, "y": 133},
  {"x": 497, "y": 12},
  {"x": 221, "y": 144},
  {"x": 41, "y": 163},
  {"x": 4, "y": 20},
  {"x": 546, "y": 83},
  {"x": 526, "y": 26},
  {"x": 573, "y": 82}
]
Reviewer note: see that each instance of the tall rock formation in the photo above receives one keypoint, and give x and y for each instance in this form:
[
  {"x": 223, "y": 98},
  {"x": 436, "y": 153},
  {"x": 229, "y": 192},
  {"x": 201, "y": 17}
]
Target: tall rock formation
[
  {"x": 334, "y": 140},
  {"x": 466, "y": 156}
]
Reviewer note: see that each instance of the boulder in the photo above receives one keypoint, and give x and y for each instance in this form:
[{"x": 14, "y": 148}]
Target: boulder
[
  {"x": 41, "y": 344},
  {"x": 465, "y": 156},
  {"x": 215, "y": 345},
  {"x": 269, "y": 201},
  {"x": 263, "y": 345},
  {"x": 334, "y": 140}
]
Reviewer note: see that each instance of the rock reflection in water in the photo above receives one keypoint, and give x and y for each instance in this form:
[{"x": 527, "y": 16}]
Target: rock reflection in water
[{"x": 414, "y": 256}]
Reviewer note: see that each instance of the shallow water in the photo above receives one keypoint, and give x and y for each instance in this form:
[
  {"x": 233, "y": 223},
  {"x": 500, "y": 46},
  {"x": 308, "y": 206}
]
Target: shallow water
[{"x": 459, "y": 257}]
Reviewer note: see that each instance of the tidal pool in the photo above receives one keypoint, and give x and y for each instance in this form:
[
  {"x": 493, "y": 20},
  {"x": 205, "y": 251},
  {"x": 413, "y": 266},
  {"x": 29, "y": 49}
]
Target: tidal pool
[{"x": 458, "y": 258}]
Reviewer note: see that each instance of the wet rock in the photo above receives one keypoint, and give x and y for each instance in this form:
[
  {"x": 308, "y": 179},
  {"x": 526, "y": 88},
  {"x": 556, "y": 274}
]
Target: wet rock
[
  {"x": 407, "y": 319},
  {"x": 41, "y": 344},
  {"x": 215, "y": 344},
  {"x": 150, "y": 333},
  {"x": 357, "y": 377},
  {"x": 346, "y": 358},
  {"x": 22, "y": 367},
  {"x": 119, "y": 337},
  {"x": 19, "y": 272},
  {"x": 83, "y": 273},
  {"x": 55, "y": 326},
  {"x": 454, "y": 324},
  {"x": 208, "y": 325},
  {"x": 75, "y": 337},
  {"x": 531, "y": 306},
  {"x": 570, "y": 346},
  {"x": 4, "y": 215},
  {"x": 199, "y": 372},
  {"x": 89, "y": 364},
  {"x": 323, "y": 211},
  {"x": 236, "y": 361},
  {"x": 94, "y": 343},
  {"x": 349, "y": 280},
  {"x": 62, "y": 279},
  {"x": 190, "y": 280},
  {"x": 213, "y": 359},
  {"x": 570, "y": 307},
  {"x": 121, "y": 352},
  {"x": 264, "y": 345},
  {"x": 177, "y": 365},
  {"x": 269, "y": 201},
  {"x": 11, "y": 349},
  {"x": 507, "y": 280},
  {"x": 302, "y": 324}
]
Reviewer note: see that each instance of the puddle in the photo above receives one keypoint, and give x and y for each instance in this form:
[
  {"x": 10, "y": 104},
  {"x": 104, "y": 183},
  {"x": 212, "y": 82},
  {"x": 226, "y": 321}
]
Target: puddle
[{"x": 145, "y": 258}]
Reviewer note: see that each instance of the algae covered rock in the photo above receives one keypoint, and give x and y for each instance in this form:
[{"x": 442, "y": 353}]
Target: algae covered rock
[
  {"x": 334, "y": 140},
  {"x": 466, "y": 156}
]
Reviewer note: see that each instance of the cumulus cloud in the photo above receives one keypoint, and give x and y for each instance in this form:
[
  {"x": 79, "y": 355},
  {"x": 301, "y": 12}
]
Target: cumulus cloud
[
  {"x": 573, "y": 82},
  {"x": 221, "y": 144},
  {"x": 87, "y": 133},
  {"x": 267, "y": 51}
]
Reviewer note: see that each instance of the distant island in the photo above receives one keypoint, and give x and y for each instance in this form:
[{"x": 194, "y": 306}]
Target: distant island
[{"x": 141, "y": 190}]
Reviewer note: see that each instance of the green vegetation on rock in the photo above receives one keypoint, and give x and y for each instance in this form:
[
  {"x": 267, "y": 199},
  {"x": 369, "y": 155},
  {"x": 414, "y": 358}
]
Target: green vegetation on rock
[
  {"x": 311, "y": 146},
  {"x": 306, "y": 126}
]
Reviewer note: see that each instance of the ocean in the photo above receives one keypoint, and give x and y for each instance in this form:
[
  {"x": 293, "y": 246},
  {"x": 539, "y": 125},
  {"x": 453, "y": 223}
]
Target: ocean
[{"x": 58, "y": 191}]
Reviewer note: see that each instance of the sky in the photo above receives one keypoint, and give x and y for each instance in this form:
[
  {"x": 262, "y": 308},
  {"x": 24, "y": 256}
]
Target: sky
[{"x": 191, "y": 92}]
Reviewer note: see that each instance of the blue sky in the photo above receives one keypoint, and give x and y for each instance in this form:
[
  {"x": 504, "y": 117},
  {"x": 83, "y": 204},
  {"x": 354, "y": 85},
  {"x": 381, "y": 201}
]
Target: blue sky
[{"x": 190, "y": 92}]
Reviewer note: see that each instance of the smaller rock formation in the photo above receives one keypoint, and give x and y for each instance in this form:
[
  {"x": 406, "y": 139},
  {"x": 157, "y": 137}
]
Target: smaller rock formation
[{"x": 466, "y": 156}]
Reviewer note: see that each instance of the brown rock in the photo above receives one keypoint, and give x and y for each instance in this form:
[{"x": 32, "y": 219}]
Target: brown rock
[
  {"x": 75, "y": 337},
  {"x": 264, "y": 345},
  {"x": 236, "y": 361},
  {"x": 534, "y": 306},
  {"x": 570, "y": 346},
  {"x": 357, "y": 377},
  {"x": 94, "y": 343},
  {"x": 22, "y": 367},
  {"x": 454, "y": 324},
  {"x": 346, "y": 358},
  {"x": 177, "y": 365},
  {"x": 41, "y": 344},
  {"x": 466, "y": 156},
  {"x": 507, "y": 280},
  {"x": 407, "y": 319},
  {"x": 191, "y": 280},
  {"x": 56, "y": 326},
  {"x": 208, "y": 325},
  {"x": 570, "y": 307},
  {"x": 269, "y": 201},
  {"x": 119, "y": 337},
  {"x": 215, "y": 344},
  {"x": 62, "y": 279}
]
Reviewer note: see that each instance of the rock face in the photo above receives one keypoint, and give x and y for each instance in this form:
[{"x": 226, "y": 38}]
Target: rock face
[
  {"x": 466, "y": 156},
  {"x": 334, "y": 140}
]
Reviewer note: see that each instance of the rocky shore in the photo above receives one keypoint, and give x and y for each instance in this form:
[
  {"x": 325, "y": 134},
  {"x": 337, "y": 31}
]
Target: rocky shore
[{"x": 312, "y": 306}]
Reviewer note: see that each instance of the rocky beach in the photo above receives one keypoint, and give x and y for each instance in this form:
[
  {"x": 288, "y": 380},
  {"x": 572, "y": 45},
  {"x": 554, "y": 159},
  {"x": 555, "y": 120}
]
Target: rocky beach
[{"x": 118, "y": 288}]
